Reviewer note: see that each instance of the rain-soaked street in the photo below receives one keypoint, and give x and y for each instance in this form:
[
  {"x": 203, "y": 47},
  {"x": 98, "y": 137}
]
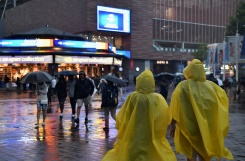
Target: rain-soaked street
[{"x": 19, "y": 140}]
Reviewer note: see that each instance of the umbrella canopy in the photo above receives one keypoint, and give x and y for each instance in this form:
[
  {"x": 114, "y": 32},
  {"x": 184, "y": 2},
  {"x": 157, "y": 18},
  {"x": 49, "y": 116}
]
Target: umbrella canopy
[
  {"x": 166, "y": 75},
  {"x": 114, "y": 79},
  {"x": 67, "y": 73},
  {"x": 36, "y": 77}
]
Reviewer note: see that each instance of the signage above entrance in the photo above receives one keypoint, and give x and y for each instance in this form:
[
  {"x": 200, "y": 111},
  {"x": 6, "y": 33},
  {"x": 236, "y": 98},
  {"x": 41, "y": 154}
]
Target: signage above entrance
[
  {"x": 81, "y": 44},
  {"x": 83, "y": 60},
  {"x": 26, "y": 43},
  {"x": 26, "y": 59}
]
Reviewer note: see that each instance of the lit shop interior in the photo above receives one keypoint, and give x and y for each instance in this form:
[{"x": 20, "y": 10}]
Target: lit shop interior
[{"x": 19, "y": 57}]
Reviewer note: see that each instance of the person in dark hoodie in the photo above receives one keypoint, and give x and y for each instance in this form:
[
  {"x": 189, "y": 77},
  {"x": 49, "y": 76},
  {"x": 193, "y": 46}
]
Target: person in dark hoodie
[
  {"x": 109, "y": 102},
  {"x": 83, "y": 89},
  {"x": 61, "y": 92}
]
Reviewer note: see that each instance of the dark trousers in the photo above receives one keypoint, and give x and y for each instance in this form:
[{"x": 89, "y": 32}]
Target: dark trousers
[
  {"x": 61, "y": 102},
  {"x": 73, "y": 105}
]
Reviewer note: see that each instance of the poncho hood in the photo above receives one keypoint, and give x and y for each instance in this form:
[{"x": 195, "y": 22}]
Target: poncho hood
[
  {"x": 142, "y": 124},
  {"x": 201, "y": 111},
  {"x": 195, "y": 71},
  {"x": 145, "y": 82}
]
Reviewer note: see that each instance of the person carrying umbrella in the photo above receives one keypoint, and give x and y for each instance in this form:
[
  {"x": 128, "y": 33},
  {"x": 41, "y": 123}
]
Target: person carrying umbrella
[
  {"x": 61, "y": 92},
  {"x": 164, "y": 86},
  {"x": 42, "y": 101}
]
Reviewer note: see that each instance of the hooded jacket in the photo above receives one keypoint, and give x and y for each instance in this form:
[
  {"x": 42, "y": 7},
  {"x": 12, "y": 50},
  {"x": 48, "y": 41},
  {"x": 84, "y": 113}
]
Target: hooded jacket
[
  {"x": 142, "y": 124},
  {"x": 200, "y": 109}
]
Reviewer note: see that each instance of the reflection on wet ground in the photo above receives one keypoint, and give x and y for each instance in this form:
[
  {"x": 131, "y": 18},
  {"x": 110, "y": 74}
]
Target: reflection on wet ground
[{"x": 59, "y": 140}]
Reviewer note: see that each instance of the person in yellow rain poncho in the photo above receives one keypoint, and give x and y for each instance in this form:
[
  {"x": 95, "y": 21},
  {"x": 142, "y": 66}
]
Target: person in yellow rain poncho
[
  {"x": 199, "y": 110},
  {"x": 142, "y": 124}
]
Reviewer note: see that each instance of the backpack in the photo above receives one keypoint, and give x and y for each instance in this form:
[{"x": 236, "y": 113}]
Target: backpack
[{"x": 112, "y": 97}]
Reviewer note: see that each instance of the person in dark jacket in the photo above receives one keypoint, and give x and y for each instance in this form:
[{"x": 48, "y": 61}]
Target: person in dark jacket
[
  {"x": 108, "y": 108},
  {"x": 61, "y": 93},
  {"x": 163, "y": 86},
  {"x": 18, "y": 83},
  {"x": 83, "y": 89},
  {"x": 211, "y": 78},
  {"x": 49, "y": 94}
]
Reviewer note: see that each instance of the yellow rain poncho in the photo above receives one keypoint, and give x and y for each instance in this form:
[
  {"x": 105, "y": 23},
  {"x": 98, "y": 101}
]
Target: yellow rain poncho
[
  {"x": 142, "y": 124},
  {"x": 200, "y": 109}
]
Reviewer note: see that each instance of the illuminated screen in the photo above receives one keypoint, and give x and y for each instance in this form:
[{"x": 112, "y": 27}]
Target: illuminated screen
[
  {"x": 74, "y": 44},
  {"x": 81, "y": 44},
  {"x": 113, "y": 19},
  {"x": 125, "y": 53},
  {"x": 26, "y": 43}
]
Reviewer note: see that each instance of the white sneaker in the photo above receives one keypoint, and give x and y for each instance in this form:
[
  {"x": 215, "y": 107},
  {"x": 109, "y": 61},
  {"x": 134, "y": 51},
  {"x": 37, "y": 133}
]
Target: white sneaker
[{"x": 36, "y": 125}]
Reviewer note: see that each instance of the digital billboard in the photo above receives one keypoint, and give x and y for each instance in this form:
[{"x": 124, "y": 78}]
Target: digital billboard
[{"x": 113, "y": 19}]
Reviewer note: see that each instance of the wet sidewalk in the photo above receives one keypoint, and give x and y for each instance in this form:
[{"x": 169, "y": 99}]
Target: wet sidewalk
[{"x": 58, "y": 141}]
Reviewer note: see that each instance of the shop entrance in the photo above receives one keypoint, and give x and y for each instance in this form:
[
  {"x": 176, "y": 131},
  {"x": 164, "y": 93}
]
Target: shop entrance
[{"x": 90, "y": 70}]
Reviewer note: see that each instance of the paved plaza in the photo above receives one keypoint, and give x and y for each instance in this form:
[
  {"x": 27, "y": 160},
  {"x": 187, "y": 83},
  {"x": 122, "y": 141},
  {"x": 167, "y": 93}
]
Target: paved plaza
[{"x": 59, "y": 141}]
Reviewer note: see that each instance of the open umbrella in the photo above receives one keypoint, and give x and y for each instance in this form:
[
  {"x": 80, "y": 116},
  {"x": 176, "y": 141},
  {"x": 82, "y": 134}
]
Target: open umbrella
[
  {"x": 67, "y": 73},
  {"x": 166, "y": 75},
  {"x": 114, "y": 79},
  {"x": 36, "y": 77}
]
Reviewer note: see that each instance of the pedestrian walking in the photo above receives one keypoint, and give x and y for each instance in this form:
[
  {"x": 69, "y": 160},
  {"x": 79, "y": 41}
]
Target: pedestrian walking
[
  {"x": 53, "y": 84},
  {"x": 177, "y": 81},
  {"x": 220, "y": 82},
  {"x": 18, "y": 84},
  {"x": 200, "y": 116},
  {"x": 142, "y": 123},
  {"x": 71, "y": 89},
  {"x": 109, "y": 102},
  {"x": 6, "y": 82},
  {"x": 61, "y": 92},
  {"x": 91, "y": 96},
  {"x": 101, "y": 85},
  {"x": 83, "y": 89},
  {"x": 49, "y": 94},
  {"x": 211, "y": 78},
  {"x": 42, "y": 102},
  {"x": 234, "y": 88},
  {"x": 164, "y": 86}
]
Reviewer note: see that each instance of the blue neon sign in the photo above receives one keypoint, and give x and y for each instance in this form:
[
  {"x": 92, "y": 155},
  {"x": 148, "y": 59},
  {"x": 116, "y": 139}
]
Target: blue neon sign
[
  {"x": 18, "y": 43},
  {"x": 26, "y": 43},
  {"x": 74, "y": 44},
  {"x": 125, "y": 53}
]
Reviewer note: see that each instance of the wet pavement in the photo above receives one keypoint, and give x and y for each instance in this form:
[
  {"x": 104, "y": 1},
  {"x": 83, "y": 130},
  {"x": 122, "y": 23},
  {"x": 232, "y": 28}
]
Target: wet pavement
[{"x": 59, "y": 141}]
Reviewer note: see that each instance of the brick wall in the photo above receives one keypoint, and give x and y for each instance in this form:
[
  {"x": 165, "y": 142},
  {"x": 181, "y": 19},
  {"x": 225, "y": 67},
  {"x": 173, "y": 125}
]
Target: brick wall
[
  {"x": 66, "y": 15},
  {"x": 77, "y": 16}
]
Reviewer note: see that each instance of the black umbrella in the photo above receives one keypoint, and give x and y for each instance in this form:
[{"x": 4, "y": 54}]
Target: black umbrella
[
  {"x": 114, "y": 79},
  {"x": 67, "y": 73},
  {"x": 36, "y": 77},
  {"x": 166, "y": 75}
]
